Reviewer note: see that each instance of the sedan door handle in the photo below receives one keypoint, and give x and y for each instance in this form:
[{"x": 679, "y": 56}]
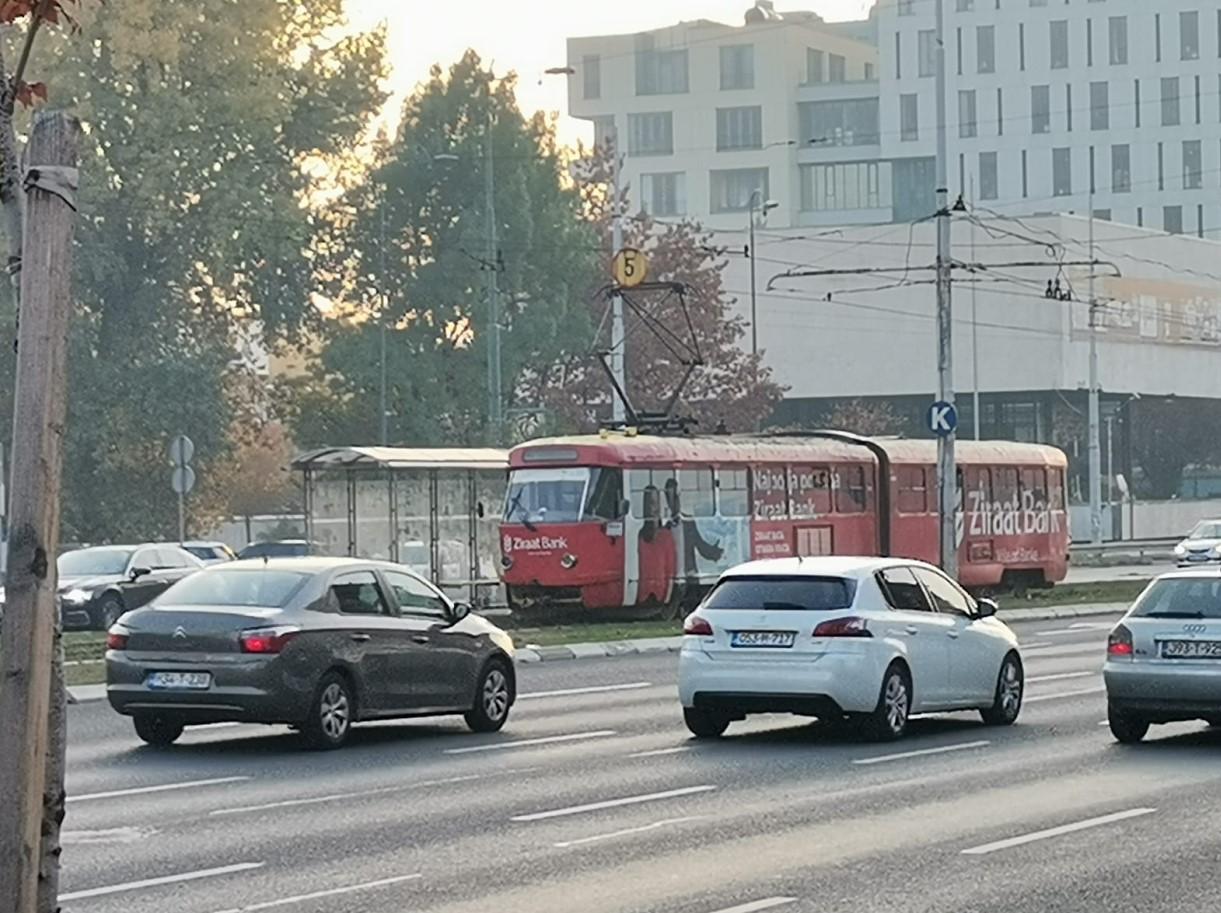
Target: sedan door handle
[
  {"x": 953, "y": 635},
  {"x": 912, "y": 629},
  {"x": 360, "y": 637},
  {"x": 421, "y": 638}
]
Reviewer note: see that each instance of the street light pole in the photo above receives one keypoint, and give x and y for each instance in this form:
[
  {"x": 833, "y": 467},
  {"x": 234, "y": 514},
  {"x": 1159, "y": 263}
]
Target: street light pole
[
  {"x": 1095, "y": 448},
  {"x": 754, "y": 310},
  {"x": 617, "y": 359},
  {"x": 493, "y": 266},
  {"x": 381, "y": 320},
  {"x": 947, "y": 482}
]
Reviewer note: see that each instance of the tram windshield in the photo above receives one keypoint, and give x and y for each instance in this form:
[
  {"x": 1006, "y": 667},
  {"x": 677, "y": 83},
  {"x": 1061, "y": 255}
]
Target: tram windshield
[{"x": 563, "y": 495}]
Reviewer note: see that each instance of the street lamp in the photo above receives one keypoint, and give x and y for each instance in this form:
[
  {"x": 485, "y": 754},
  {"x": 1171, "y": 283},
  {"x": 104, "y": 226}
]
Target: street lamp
[{"x": 756, "y": 202}]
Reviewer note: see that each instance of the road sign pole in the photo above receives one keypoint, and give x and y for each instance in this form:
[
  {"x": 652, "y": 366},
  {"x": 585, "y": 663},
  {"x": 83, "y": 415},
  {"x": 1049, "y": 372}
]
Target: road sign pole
[{"x": 182, "y": 479}]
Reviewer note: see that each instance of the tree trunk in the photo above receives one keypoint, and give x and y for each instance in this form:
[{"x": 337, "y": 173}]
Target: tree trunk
[{"x": 53, "y": 793}]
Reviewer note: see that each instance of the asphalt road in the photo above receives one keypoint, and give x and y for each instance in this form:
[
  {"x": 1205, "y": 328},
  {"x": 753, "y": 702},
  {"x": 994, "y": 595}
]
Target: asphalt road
[
  {"x": 1118, "y": 572},
  {"x": 594, "y": 799}
]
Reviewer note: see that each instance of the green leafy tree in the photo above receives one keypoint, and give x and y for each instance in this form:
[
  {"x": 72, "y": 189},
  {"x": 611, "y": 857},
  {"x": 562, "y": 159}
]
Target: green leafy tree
[{"x": 409, "y": 255}]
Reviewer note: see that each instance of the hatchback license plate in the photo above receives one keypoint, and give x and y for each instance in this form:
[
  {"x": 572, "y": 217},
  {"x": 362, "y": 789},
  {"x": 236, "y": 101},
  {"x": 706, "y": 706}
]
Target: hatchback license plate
[
  {"x": 763, "y": 639},
  {"x": 185, "y": 681},
  {"x": 1191, "y": 649}
]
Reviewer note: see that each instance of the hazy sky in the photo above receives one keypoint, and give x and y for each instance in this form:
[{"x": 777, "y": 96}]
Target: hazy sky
[{"x": 529, "y": 35}]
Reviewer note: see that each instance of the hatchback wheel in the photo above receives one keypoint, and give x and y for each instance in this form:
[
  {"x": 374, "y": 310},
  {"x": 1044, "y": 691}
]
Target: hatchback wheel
[
  {"x": 160, "y": 731},
  {"x": 109, "y": 610},
  {"x": 1007, "y": 703},
  {"x": 493, "y": 696},
  {"x": 705, "y": 724},
  {"x": 888, "y": 721},
  {"x": 330, "y": 717},
  {"x": 1126, "y": 728}
]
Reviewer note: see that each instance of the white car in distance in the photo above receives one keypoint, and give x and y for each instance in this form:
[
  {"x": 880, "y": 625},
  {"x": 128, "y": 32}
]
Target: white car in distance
[{"x": 871, "y": 639}]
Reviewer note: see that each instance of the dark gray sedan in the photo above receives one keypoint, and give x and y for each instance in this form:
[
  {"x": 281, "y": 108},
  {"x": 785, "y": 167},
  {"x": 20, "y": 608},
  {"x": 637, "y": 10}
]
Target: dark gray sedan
[{"x": 315, "y": 643}]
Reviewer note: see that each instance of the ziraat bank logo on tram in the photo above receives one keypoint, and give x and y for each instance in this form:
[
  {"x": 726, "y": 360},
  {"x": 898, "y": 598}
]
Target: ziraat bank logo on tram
[
  {"x": 1029, "y": 515},
  {"x": 536, "y": 544}
]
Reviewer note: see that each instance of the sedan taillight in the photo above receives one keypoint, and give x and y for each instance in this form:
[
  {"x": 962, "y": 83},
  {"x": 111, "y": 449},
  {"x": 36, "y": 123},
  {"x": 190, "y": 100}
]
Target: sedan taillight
[
  {"x": 698, "y": 625},
  {"x": 844, "y": 627},
  {"x": 116, "y": 638},
  {"x": 266, "y": 640},
  {"x": 1119, "y": 644}
]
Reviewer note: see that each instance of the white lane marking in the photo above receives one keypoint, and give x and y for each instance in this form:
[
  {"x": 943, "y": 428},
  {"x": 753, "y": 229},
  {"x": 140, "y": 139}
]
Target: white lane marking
[
  {"x": 593, "y": 689},
  {"x": 334, "y": 797},
  {"x": 1081, "y": 627},
  {"x": 1035, "y": 643},
  {"x": 1094, "y": 648},
  {"x": 162, "y": 788},
  {"x": 612, "y": 803},
  {"x": 525, "y": 743},
  {"x": 1105, "y": 723},
  {"x": 163, "y": 880},
  {"x": 921, "y": 752},
  {"x": 627, "y": 832},
  {"x": 1059, "y": 676},
  {"x": 1062, "y": 694},
  {"x": 756, "y": 905},
  {"x": 110, "y": 835},
  {"x": 317, "y": 895},
  {"x": 660, "y": 751},
  {"x": 1057, "y": 831},
  {"x": 204, "y": 727}
]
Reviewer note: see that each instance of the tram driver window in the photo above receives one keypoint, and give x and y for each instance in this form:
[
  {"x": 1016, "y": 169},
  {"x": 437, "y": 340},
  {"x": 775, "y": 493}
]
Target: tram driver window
[
  {"x": 850, "y": 496},
  {"x": 1034, "y": 481},
  {"x": 913, "y": 490}
]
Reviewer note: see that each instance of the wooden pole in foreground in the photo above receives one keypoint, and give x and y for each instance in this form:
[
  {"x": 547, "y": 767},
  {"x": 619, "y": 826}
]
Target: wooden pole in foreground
[{"x": 27, "y": 634}]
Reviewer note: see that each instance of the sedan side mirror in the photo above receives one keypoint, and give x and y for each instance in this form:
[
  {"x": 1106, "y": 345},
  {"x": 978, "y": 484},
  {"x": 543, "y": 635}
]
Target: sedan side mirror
[
  {"x": 458, "y": 611},
  {"x": 987, "y": 608},
  {"x": 138, "y": 572}
]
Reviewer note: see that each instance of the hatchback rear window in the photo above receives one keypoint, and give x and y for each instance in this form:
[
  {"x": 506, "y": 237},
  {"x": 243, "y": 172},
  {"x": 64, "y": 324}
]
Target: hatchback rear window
[
  {"x": 810, "y": 594},
  {"x": 255, "y": 589},
  {"x": 1181, "y": 597}
]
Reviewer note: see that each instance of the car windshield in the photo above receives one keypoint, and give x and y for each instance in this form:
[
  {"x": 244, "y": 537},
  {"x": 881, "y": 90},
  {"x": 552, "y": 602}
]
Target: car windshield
[
  {"x": 1209, "y": 529},
  {"x": 93, "y": 562},
  {"x": 253, "y": 588},
  {"x": 1180, "y": 597},
  {"x": 563, "y": 495},
  {"x": 202, "y": 551},
  {"x": 799, "y": 593},
  {"x": 275, "y": 550}
]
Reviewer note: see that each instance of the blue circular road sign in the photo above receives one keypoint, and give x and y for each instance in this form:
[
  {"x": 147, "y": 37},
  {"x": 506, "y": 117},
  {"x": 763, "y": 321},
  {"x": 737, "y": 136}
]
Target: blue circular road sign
[{"x": 942, "y": 418}]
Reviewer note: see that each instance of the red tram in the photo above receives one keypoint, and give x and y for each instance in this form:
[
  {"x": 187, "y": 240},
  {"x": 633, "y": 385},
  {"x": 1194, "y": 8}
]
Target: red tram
[{"x": 618, "y": 519}]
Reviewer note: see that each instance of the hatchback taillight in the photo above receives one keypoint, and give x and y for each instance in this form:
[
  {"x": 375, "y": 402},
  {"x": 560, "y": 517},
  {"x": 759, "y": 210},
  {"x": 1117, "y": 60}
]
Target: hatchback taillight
[
  {"x": 116, "y": 638},
  {"x": 265, "y": 640},
  {"x": 695, "y": 624},
  {"x": 843, "y": 627},
  {"x": 1119, "y": 644}
]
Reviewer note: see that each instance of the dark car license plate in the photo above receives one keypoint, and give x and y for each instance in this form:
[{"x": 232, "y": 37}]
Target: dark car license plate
[
  {"x": 179, "y": 681},
  {"x": 779, "y": 639},
  {"x": 1191, "y": 649}
]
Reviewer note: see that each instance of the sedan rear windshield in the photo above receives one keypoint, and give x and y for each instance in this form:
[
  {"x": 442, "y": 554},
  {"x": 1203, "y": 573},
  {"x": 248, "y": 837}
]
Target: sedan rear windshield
[
  {"x": 810, "y": 594},
  {"x": 1181, "y": 597},
  {"x": 250, "y": 588}
]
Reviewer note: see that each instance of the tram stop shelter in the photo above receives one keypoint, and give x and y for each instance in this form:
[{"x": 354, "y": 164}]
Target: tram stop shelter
[{"x": 435, "y": 510}]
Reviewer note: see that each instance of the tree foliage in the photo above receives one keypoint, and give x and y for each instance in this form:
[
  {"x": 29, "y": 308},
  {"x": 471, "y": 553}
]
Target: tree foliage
[{"x": 871, "y": 418}]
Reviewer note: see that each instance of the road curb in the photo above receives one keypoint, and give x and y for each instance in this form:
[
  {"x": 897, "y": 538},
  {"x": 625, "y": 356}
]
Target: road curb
[{"x": 646, "y": 646}]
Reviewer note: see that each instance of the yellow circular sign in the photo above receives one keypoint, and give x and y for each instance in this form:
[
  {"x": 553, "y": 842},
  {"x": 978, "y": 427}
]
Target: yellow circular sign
[{"x": 629, "y": 267}]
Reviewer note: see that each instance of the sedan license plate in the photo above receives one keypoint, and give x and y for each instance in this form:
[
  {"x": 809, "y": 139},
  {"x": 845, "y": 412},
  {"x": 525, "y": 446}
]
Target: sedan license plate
[
  {"x": 763, "y": 639},
  {"x": 179, "y": 681},
  {"x": 1191, "y": 649}
]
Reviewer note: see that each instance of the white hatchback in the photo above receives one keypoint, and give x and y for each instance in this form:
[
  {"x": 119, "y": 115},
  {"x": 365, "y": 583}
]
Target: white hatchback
[{"x": 875, "y": 639}]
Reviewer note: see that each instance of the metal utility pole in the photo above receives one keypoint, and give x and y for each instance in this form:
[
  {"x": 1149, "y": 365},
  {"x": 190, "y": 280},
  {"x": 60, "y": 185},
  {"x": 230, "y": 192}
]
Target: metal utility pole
[
  {"x": 617, "y": 360},
  {"x": 1095, "y": 447},
  {"x": 31, "y": 701},
  {"x": 381, "y": 320},
  {"x": 974, "y": 330},
  {"x": 495, "y": 418},
  {"x": 754, "y": 310},
  {"x": 947, "y": 482}
]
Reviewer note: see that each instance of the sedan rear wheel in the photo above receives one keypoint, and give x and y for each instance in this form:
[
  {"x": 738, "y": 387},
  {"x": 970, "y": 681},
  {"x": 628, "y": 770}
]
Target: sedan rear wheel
[
  {"x": 1008, "y": 700},
  {"x": 330, "y": 718},
  {"x": 109, "y": 611},
  {"x": 888, "y": 721},
  {"x": 158, "y": 730},
  {"x": 1126, "y": 728},
  {"x": 705, "y": 724},
  {"x": 493, "y": 696}
]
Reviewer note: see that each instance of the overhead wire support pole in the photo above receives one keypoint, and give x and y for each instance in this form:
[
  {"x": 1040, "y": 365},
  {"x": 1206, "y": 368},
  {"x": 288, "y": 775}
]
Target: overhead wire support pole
[
  {"x": 618, "y": 363},
  {"x": 495, "y": 403},
  {"x": 1095, "y": 446}
]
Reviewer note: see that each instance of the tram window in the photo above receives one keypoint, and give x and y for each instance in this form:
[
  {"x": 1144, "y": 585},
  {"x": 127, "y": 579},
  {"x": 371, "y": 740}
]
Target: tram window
[
  {"x": 850, "y": 496},
  {"x": 1057, "y": 489},
  {"x": 696, "y": 493},
  {"x": 809, "y": 491},
  {"x": 913, "y": 490},
  {"x": 980, "y": 480},
  {"x": 605, "y": 498},
  {"x": 769, "y": 495},
  {"x": 1034, "y": 482},
  {"x": 732, "y": 494},
  {"x": 1006, "y": 485},
  {"x": 648, "y": 485}
]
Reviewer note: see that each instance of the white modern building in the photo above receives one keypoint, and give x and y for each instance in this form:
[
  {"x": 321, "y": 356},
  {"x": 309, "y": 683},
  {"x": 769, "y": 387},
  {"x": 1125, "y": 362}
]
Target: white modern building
[{"x": 1048, "y": 102}]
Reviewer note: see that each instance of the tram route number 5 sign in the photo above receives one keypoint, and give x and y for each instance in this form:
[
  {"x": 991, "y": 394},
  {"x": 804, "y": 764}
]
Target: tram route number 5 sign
[{"x": 629, "y": 267}]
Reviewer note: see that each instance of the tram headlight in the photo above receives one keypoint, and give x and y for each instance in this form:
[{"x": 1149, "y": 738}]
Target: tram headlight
[
  {"x": 568, "y": 562},
  {"x": 506, "y": 562}
]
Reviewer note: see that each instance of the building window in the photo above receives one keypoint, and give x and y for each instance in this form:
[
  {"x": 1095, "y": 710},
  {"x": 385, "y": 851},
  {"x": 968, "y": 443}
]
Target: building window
[
  {"x": 845, "y": 186},
  {"x": 1189, "y": 35},
  {"x": 1171, "y": 115},
  {"x": 1121, "y": 168},
  {"x": 1199, "y": 109},
  {"x": 1140, "y": 217},
  {"x": 958, "y": 33},
  {"x": 1022, "y": 46},
  {"x": 1118, "y": 27},
  {"x": 1025, "y": 177},
  {"x": 1062, "y": 172},
  {"x": 837, "y": 68},
  {"x": 1161, "y": 166},
  {"x": 1102, "y": 215},
  {"x": 985, "y": 48},
  {"x": 1193, "y": 168},
  {"x": 650, "y": 134},
  {"x": 1199, "y": 220},
  {"x": 853, "y": 122},
  {"x": 1059, "y": 44},
  {"x": 909, "y": 117},
  {"x": 926, "y": 50},
  {"x": 731, "y": 189},
  {"x": 1000, "y": 111},
  {"x": 664, "y": 194},
  {"x": 898, "y": 55},
  {"x": 915, "y": 183},
  {"x": 737, "y": 66},
  {"x": 1068, "y": 107},
  {"x": 907, "y": 7},
  {"x": 739, "y": 128},
  {"x": 1100, "y": 106},
  {"x": 988, "y": 185},
  {"x": 1040, "y": 109},
  {"x": 1089, "y": 42},
  {"x": 1172, "y": 220},
  {"x": 869, "y": 71},
  {"x": 1136, "y": 100},
  {"x": 964, "y": 6},
  {"x": 1157, "y": 37},
  {"x": 604, "y": 131},
  {"x": 659, "y": 72},
  {"x": 1093, "y": 185},
  {"x": 591, "y": 75},
  {"x": 1038, "y": 2},
  {"x": 966, "y": 113},
  {"x": 814, "y": 67}
]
